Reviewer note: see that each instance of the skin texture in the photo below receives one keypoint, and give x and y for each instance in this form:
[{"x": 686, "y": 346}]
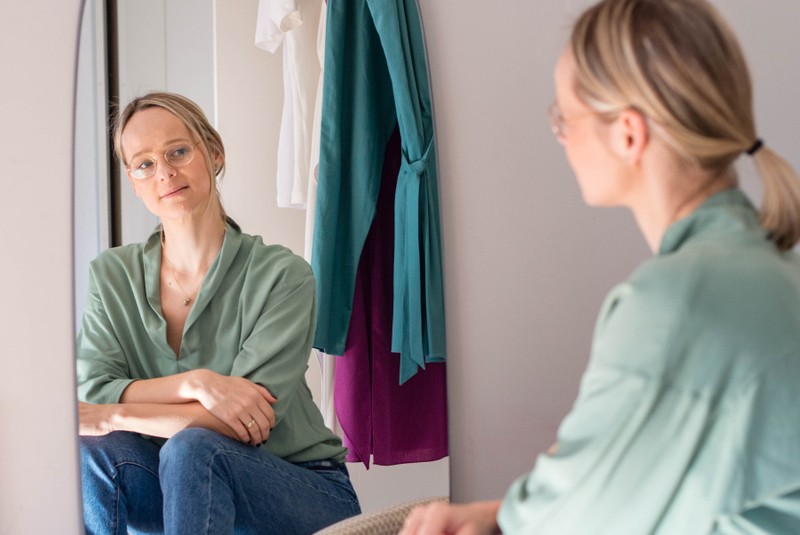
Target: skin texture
[{"x": 183, "y": 198}]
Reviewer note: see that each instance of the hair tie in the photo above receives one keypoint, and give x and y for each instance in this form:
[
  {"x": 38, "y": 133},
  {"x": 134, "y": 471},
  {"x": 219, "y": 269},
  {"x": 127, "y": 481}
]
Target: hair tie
[{"x": 755, "y": 148}]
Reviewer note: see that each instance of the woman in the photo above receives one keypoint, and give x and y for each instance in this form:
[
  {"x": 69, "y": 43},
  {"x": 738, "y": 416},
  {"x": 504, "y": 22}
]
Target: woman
[
  {"x": 687, "y": 420},
  {"x": 201, "y": 336}
]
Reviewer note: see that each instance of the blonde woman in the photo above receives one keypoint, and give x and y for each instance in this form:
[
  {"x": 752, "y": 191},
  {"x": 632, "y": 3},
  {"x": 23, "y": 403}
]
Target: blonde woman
[
  {"x": 195, "y": 415},
  {"x": 687, "y": 420}
]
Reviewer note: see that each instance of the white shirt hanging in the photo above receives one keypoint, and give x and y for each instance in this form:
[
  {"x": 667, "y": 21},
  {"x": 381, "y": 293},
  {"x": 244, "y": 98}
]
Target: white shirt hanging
[{"x": 294, "y": 24}]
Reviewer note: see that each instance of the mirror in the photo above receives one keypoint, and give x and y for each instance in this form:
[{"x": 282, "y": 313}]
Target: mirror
[{"x": 204, "y": 50}]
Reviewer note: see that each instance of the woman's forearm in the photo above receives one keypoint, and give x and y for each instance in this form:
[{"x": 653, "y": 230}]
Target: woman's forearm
[
  {"x": 178, "y": 388},
  {"x": 159, "y": 420},
  {"x": 238, "y": 404}
]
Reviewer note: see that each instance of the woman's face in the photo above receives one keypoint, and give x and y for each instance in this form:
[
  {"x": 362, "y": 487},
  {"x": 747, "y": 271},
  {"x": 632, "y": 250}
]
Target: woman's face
[
  {"x": 587, "y": 142},
  {"x": 172, "y": 192}
]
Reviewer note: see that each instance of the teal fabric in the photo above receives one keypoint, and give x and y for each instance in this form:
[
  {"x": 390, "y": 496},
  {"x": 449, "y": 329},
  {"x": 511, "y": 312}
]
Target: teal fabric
[
  {"x": 253, "y": 317},
  {"x": 687, "y": 420},
  {"x": 376, "y": 77}
]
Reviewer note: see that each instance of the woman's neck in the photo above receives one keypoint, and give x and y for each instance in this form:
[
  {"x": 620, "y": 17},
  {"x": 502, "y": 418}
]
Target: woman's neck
[
  {"x": 190, "y": 245},
  {"x": 672, "y": 192}
]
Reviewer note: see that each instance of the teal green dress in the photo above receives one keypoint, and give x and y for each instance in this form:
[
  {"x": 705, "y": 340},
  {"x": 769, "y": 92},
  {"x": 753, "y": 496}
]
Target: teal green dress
[
  {"x": 688, "y": 416},
  {"x": 376, "y": 79},
  {"x": 253, "y": 317}
]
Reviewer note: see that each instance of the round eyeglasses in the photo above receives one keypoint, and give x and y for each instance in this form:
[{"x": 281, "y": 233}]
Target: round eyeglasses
[
  {"x": 558, "y": 122},
  {"x": 178, "y": 155}
]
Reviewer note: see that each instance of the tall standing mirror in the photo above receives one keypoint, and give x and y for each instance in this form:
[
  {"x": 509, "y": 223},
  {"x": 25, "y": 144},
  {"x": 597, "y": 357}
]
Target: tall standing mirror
[{"x": 205, "y": 50}]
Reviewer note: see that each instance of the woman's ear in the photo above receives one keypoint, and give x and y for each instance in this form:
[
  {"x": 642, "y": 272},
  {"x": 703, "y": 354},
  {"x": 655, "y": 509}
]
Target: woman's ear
[
  {"x": 630, "y": 135},
  {"x": 219, "y": 159}
]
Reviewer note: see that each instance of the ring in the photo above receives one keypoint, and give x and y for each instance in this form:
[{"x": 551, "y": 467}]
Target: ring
[{"x": 250, "y": 424}]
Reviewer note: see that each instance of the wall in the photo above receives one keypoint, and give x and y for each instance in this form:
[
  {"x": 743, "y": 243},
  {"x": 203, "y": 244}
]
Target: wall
[
  {"x": 38, "y": 444},
  {"x": 526, "y": 263}
]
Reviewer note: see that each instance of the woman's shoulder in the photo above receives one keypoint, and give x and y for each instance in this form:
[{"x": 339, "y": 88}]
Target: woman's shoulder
[
  {"x": 718, "y": 267},
  {"x": 123, "y": 257},
  {"x": 273, "y": 259}
]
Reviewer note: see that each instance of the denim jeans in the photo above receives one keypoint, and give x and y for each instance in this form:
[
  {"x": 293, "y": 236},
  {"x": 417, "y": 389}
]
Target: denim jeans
[{"x": 203, "y": 482}]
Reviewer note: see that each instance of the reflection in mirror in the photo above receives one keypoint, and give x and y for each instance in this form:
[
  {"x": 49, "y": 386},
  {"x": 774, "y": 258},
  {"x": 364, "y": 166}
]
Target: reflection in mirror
[
  {"x": 206, "y": 52},
  {"x": 91, "y": 225}
]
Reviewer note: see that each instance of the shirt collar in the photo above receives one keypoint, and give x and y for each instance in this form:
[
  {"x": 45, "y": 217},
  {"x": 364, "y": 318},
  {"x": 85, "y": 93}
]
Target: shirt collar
[{"x": 723, "y": 211}]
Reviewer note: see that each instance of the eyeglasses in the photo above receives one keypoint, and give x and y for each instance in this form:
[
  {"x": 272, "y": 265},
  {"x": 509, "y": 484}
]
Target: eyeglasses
[
  {"x": 558, "y": 122},
  {"x": 143, "y": 167}
]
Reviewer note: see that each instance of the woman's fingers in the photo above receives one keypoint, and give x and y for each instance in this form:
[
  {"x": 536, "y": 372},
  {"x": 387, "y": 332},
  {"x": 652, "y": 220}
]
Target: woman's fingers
[
  {"x": 240, "y": 403},
  {"x": 258, "y": 423},
  {"x": 266, "y": 394}
]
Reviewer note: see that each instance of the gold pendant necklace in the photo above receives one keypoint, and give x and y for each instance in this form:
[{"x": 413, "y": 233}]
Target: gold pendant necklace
[{"x": 187, "y": 299}]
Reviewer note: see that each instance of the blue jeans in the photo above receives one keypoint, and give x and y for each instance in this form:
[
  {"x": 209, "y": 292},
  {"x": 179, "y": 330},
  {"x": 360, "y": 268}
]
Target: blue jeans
[{"x": 203, "y": 482}]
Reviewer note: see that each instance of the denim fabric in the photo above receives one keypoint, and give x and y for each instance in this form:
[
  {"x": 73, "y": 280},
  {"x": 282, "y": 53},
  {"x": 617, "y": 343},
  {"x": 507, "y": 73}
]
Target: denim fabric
[{"x": 207, "y": 483}]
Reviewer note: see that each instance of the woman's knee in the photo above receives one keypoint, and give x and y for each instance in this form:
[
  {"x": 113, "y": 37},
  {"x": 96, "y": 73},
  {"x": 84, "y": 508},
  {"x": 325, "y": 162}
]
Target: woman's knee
[
  {"x": 191, "y": 447},
  {"x": 113, "y": 447}
]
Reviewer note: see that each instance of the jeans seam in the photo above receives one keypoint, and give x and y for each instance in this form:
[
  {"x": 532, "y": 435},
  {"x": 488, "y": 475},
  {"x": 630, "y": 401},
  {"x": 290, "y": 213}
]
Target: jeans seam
[
  {"x": 287, "y": 474},
  {"x": 115, "y": 477}
]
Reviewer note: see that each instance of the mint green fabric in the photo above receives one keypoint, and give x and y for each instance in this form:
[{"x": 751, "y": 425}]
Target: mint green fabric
[
  {"x": 253, "y": 317},
  {"x": 376, "y": 78},
  {"x": 688, "y": 419}
]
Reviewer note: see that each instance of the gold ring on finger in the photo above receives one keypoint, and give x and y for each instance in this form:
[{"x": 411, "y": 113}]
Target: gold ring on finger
[{"x": 250, "y": 423}]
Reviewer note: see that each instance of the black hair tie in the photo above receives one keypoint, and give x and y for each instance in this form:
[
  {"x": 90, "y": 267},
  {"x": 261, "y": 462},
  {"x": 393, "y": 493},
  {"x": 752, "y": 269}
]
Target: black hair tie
[{"x": 756, "y": 147}]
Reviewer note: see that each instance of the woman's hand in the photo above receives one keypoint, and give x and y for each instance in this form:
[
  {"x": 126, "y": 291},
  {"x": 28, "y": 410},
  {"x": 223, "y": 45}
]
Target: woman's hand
[
  {"x": 440, "y": 518},
  {"x": 95, "y": 420},
  {"x": 241, "y": 404}
]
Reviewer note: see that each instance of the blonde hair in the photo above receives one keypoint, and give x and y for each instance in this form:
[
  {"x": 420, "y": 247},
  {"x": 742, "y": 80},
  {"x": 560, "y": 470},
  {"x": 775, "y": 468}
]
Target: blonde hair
[
  {"x": 680, "y": 65},
  {"x": 193, "y": 119}
]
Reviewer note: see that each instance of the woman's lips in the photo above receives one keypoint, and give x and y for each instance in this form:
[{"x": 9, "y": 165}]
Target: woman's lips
[{"x": 173, "y": 192}]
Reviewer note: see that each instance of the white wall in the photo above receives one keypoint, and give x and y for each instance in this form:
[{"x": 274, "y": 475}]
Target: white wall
[
  {"x": 526, "y": 263},
  {"x": 38, "y": 443}
]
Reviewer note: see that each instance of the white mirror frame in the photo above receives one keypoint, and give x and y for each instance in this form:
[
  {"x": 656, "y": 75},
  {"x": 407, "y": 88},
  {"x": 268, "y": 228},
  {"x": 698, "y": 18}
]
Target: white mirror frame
[{"x": 39, "y": 482}]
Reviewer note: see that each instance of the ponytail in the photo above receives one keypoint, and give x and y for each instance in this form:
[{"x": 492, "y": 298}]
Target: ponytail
[{"x": 780, "y": 208}]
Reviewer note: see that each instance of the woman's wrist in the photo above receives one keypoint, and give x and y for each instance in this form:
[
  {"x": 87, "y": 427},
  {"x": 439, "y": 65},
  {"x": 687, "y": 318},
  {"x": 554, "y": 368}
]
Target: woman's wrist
[
  {"x": 117, "y": 417},
  {"x": 194, "y": 384}
]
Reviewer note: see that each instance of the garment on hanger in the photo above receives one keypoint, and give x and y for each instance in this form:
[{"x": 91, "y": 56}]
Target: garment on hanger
[
  {"x": 293, "y": 24},
  {"x": 381, "y": 419},
  {"x": 376, "y": 77}
]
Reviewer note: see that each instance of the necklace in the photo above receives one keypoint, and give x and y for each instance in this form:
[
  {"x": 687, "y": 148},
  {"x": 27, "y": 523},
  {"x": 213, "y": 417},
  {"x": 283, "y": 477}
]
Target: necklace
[{"x": 187, "y": 299}]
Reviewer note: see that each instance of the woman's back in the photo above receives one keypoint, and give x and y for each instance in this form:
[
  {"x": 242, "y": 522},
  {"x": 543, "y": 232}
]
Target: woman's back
[{"x": 686, "y": 420}]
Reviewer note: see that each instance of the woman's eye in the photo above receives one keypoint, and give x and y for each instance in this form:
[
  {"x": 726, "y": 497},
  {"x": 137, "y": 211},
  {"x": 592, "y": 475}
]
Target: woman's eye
[
  {"x": 178, "y": 153},
  {"x": 143, "y": 165}
]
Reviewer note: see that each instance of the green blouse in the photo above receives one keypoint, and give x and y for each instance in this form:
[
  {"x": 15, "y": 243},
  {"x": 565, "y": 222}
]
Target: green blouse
[
  {"x": 687, "y": 420},
  {"x": 253, "y": 317}
]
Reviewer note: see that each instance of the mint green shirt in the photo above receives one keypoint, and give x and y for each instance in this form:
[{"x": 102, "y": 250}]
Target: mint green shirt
[
  {"x": 688, "y": 416},
  {"x": 253, "y": 317}
]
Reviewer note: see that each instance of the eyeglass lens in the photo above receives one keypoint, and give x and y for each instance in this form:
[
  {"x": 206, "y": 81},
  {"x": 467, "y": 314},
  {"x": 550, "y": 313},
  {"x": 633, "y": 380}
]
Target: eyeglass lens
[{"x": 177, "y": 156}]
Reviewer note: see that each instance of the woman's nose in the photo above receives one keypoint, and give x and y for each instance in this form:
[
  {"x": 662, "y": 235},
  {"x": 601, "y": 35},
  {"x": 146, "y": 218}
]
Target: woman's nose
[{"x": 164, "y": 169}]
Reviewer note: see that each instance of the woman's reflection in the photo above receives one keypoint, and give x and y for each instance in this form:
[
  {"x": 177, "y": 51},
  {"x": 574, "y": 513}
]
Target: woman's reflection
[{"x": 200, "y": 336}]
